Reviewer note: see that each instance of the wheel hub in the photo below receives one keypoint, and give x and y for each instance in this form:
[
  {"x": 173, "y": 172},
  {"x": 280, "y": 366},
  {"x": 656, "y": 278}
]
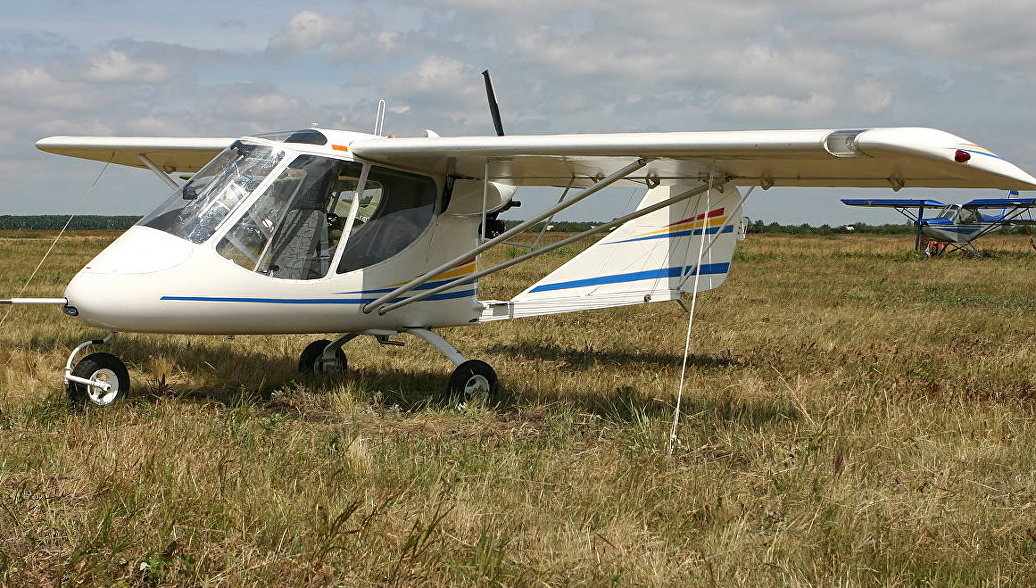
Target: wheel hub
[
  {"x": 96, "y": 394},
  {"x": 477, "y": 388}
]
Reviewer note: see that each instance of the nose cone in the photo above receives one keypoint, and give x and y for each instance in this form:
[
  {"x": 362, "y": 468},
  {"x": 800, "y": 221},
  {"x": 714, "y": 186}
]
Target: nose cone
[{"x": 113, "y": 289}]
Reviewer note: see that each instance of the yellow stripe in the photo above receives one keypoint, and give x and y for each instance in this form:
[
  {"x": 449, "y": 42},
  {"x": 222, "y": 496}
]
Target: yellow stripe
[
  {"x": 468, "y": 268},
  {"x": 685, "y": 226}
]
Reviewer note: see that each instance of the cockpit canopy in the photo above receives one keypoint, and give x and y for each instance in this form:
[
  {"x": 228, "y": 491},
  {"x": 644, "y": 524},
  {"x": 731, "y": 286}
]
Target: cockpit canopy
[
  {"x": 295, "y": 215},
  {"x": 955, "y": 213}
]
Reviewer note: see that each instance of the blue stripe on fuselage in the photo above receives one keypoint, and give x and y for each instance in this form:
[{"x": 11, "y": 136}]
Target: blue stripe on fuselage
[{"x": 448, "y": 296}]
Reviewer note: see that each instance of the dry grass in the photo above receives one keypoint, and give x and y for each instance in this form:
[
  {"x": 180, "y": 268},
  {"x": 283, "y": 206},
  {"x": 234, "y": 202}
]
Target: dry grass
[{"x": 855, "y": 416}]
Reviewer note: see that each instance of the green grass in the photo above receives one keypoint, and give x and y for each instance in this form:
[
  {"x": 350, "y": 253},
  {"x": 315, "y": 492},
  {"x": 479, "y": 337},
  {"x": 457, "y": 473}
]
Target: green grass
[{"x": 854, "y": 416}]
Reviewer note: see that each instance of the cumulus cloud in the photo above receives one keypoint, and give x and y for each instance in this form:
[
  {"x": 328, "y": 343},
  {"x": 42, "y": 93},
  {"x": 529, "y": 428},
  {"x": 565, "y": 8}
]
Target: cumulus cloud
[
  {"x": 116, "y": 66},
  {"x": 310, "y": 31},
  {"x": 37, "y": 87},
  {"x": 433, "y": 75}
]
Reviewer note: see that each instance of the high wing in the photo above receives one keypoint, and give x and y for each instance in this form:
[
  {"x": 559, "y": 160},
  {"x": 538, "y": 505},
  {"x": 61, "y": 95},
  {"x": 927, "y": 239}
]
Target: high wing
[
  {"x": 893, "y": 202},
  {"x": 1000, "y": 203},
  {"x": 169, "y": 154},
  {"x": 880, "y": 157}
]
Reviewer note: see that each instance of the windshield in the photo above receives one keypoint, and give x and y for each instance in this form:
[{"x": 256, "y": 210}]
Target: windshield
[{"x": 195, "y": 210}]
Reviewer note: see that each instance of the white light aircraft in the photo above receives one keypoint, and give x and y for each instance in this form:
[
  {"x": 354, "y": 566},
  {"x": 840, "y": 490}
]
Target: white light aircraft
[{"x": 332, "y": 231}]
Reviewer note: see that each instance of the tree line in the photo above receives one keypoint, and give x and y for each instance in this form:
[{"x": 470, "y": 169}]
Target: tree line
[
  {"x": 54, "y": 222},
  {"x": 758, "y": 227},
  {"x": 93, "y": 222}
]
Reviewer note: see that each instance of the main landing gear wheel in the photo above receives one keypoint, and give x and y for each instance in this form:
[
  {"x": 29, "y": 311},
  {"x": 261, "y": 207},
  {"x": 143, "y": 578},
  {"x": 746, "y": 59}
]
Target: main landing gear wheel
[
  {"x": 100, "y": 367},
  {"x": 312, "y": 362},
  {"x": 472, "y": 381}
]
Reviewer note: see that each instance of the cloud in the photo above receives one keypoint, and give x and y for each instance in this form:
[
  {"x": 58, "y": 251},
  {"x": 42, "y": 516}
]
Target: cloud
[
  {"x": 308, "y": 31},
  {"x": 600, "y": 65},
  {"x": 116, "y": 66},
  {"x": 35, "y": 87}
]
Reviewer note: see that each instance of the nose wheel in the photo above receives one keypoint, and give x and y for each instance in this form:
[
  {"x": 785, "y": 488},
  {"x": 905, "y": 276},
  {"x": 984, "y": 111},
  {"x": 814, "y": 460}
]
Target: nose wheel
[{"x": 99, "y": 379}]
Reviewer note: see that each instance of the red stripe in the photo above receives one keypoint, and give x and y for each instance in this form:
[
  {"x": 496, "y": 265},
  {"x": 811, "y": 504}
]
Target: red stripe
[{"x": 711, "y": 214}]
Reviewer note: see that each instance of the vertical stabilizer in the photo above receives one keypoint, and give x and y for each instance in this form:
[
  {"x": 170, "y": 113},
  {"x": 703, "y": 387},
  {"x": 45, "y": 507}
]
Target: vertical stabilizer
[{"x": 648, "y": 259}]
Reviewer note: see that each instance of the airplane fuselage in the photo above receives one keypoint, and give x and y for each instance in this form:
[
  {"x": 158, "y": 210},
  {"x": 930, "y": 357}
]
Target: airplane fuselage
[
  {"x": 957, "y": 232},
  {"x": 282, "y": 237}
]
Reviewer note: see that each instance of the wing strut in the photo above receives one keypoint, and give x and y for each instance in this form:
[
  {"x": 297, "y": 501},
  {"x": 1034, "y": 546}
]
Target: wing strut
[
  {"x": 158, "y": 172},
  {"x": 1007, "y": 219},
  {"x": 596, "y": 187},
  {"x": 547, "y": 248}
]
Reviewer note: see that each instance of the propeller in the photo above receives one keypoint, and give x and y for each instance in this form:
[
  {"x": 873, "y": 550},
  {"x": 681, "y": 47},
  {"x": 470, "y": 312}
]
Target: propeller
[{"x": 494, "y": 108}]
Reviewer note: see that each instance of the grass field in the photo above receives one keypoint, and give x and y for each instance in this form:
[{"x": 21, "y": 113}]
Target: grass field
[{"x": 854, "y": 416}]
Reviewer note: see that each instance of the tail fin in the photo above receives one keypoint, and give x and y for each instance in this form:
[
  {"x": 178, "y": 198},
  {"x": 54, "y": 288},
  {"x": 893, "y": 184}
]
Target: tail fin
[{"x": 648, "y": 259}]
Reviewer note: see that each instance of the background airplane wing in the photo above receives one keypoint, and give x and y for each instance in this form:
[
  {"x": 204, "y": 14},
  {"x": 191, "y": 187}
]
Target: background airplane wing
[
  {"x": 1001, "y": 203},
  {"x": 893, "y": 203},
  {"x": 170, "y": 154},
  {"x": 881, "y": 157}
]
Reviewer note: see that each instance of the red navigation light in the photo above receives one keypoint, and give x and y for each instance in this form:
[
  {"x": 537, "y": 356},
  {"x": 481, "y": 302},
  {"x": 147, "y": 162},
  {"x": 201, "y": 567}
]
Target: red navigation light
[{"x": 961, "y": 156}]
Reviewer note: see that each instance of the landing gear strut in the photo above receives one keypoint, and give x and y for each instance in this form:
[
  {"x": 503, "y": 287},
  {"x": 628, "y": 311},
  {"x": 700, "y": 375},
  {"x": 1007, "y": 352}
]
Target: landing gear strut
[{"x": 471, "y": 381}]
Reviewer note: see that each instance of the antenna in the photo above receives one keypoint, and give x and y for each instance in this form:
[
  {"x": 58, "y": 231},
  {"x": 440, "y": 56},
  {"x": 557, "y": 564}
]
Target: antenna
[
  {"x": 379, "y": 119},
  {"x": 494, "y": 109}
]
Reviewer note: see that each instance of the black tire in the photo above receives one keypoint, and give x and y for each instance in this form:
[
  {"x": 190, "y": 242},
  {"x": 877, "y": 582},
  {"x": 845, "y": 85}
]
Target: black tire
[
  {"x": 104, "y": 367},
  {"x": 310, "y": 364},
  {"x": 472, "y": 381}
]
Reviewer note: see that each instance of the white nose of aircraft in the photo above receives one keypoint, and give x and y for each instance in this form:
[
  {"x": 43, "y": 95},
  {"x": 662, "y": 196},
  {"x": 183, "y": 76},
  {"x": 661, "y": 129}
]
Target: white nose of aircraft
[{"x": 116, "y": 285}]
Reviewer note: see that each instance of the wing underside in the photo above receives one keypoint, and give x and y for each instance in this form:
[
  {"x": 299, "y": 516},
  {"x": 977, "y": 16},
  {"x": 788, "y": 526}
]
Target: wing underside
[{"x": 169, "y": 154}]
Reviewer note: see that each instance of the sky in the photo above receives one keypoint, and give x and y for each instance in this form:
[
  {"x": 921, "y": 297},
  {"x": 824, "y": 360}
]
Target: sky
[{"x": 232, "y": 68}]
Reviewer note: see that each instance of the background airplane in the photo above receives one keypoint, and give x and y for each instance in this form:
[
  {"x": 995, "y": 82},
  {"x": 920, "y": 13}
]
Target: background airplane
[{"x": 955, "y": 227}]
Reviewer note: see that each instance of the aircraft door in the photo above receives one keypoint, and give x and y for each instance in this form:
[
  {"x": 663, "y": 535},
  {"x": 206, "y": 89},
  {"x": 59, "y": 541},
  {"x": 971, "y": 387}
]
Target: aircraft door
[{"x": 394, "y": 210}]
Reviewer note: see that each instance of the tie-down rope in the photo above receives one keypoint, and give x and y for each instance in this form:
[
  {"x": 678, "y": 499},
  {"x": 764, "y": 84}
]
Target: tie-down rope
[
  {"x": 690, "y": 315},
  {"x": 58, "y": 237}
]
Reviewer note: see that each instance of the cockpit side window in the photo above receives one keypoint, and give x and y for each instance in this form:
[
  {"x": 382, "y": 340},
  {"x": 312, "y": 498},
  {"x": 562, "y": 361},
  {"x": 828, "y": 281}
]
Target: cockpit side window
[
  {"x": 394, "y": 209},
  {"x": 195, "y": 210},
  {"x": 292, "y": 230}
]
